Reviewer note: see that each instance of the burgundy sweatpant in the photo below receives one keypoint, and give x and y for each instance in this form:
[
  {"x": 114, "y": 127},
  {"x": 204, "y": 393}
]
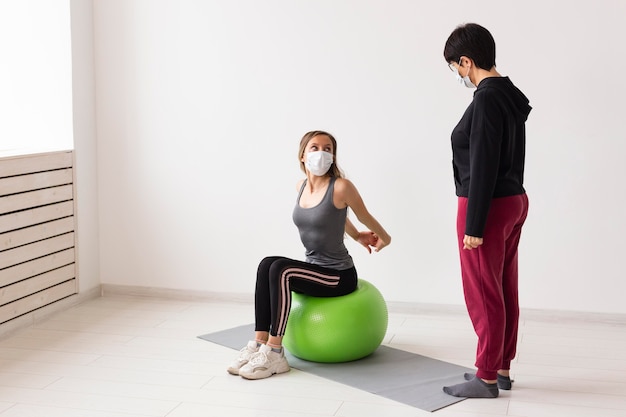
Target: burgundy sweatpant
[{"x": 490, "y": 277}]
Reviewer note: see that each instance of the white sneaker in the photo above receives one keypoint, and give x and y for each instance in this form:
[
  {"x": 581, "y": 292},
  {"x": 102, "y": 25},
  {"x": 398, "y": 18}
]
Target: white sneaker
[
  {"x": 244, "y": 356},
  {"x": 264, "y": 363}
]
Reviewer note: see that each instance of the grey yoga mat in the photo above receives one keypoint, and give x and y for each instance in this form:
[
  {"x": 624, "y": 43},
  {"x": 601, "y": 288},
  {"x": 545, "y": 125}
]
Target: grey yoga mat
[{"x": 401, "y": 376}]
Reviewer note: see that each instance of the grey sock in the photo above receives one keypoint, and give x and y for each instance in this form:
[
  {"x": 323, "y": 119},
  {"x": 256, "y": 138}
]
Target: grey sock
[
  {"x": 475, "y": 388},
  {"x": 504, "y": 382}
]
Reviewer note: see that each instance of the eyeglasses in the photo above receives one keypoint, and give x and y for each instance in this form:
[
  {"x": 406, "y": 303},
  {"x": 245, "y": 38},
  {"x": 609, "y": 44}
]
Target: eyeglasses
[{"x": 452, "y": 67}]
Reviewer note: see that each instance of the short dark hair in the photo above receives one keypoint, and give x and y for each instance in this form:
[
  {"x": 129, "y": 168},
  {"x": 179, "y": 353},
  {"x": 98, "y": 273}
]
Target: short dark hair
[{"x": 473, "y": 41}]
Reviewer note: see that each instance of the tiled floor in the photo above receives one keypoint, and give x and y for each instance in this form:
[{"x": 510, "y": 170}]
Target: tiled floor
[{"x": 123, "y": 356}]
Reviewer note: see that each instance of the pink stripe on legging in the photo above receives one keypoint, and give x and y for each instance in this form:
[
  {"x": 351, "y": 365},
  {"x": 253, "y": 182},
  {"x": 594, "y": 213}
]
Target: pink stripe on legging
[{"x": 285, "y": 290}]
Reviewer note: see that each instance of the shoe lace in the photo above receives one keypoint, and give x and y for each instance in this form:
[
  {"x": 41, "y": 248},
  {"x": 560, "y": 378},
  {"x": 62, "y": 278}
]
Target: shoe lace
[
  {"x": 259, "y": 358},
  {"x": 245, "y": 353}
]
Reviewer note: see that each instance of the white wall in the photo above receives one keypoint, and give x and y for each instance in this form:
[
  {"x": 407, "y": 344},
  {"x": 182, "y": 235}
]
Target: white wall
[{"x": 201, "y": 104}]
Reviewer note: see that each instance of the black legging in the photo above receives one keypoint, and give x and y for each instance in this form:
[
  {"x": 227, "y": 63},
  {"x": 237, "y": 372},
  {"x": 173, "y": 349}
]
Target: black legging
[{"x": 277, "y": 276}]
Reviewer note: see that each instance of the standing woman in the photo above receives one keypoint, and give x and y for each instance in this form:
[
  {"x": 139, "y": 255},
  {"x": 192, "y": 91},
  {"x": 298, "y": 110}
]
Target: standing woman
[
  {"x": 320, "y": 214},
  {"x": 488, "y": 148}
]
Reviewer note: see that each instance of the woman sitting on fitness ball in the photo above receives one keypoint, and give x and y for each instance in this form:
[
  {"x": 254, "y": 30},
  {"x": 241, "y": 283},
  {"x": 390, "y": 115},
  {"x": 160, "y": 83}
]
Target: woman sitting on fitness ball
[{"x": 321, "y": 217}]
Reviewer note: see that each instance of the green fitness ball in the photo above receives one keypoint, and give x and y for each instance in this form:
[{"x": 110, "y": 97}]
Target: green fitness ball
[{"x": 337, "y": 329}]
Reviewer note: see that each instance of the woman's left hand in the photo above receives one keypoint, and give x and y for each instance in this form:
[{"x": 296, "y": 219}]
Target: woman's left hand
[
  {"x": 380, "y": 243},
  {"x": 472, "y": 242}
]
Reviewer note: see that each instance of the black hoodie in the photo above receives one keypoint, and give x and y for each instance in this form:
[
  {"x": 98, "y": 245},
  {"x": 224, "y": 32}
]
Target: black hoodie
[{"x": 488, "y": 149}]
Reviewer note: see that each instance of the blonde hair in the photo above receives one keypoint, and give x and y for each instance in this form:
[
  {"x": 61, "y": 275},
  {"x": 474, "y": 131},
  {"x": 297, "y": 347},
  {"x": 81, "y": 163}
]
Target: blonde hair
[{"x": 334, "y": 170}]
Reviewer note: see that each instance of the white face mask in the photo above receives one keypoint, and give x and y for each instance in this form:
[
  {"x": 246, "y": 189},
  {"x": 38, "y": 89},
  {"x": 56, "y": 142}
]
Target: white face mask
[
  {"x": 464, "y": 80},
  {"x": 318, "y": 163}
]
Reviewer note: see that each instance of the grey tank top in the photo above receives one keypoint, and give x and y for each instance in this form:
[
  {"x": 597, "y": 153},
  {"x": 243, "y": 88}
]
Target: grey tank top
[{"x": 322, "y": 229}]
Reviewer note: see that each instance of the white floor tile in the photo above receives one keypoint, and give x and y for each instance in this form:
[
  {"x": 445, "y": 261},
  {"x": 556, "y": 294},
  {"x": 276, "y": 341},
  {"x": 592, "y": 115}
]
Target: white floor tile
[
  {"x": 87, "y": 402},
  {"x": 23, "y": 410},
  {"x": 204, "y": 410},
  {"x": 11, "y": 379},
  {"x": 536, "y": 409},
  {"x": 361, "y": 409}
]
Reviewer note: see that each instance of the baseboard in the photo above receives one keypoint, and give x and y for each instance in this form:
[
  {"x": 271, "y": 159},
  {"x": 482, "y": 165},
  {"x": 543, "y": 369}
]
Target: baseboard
[
  {"x": 175, "y": 294},
  {"x": 544, "y": 315}
]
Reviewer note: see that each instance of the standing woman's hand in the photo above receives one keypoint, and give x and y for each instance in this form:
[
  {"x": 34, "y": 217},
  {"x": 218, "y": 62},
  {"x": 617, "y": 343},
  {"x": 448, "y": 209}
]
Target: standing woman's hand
[{"x": 472, "y": 242}]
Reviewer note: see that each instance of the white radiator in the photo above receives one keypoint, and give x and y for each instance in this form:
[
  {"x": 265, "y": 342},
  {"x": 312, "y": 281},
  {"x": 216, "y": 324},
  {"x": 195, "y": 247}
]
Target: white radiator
[{"x": 37, "y": 239}]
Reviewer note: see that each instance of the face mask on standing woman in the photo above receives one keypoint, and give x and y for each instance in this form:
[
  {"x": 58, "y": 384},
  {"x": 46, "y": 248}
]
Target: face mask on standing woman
[{"x": 464, "y": 80}]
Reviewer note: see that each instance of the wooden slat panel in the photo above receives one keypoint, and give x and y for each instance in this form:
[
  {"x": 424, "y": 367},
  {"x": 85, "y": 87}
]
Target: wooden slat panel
[
  {"x": 38, "y": 215},
  {"x": 37, "y": 198},
  {"x": 36, "y": 250},
  {"x": 34, "y": 163},
  {"x": 37, "y": 300},
  {"x": 37, "y": 254},
  {"x": 35, "y": 267},
  {"x": 31, "y": 234},
  {"x": 22, "y": 183},
  {"x": 36, "y": 284}
]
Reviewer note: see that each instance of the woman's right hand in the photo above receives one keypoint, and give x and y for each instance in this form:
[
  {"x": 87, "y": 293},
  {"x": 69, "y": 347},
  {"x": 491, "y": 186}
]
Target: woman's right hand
[{"x": 368, "y": 240}]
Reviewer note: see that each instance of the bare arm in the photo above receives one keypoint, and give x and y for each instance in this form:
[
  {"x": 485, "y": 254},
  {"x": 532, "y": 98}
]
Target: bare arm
[
  {"x": 351, "y": 229},
  {"x": 346, "y": 194}
]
